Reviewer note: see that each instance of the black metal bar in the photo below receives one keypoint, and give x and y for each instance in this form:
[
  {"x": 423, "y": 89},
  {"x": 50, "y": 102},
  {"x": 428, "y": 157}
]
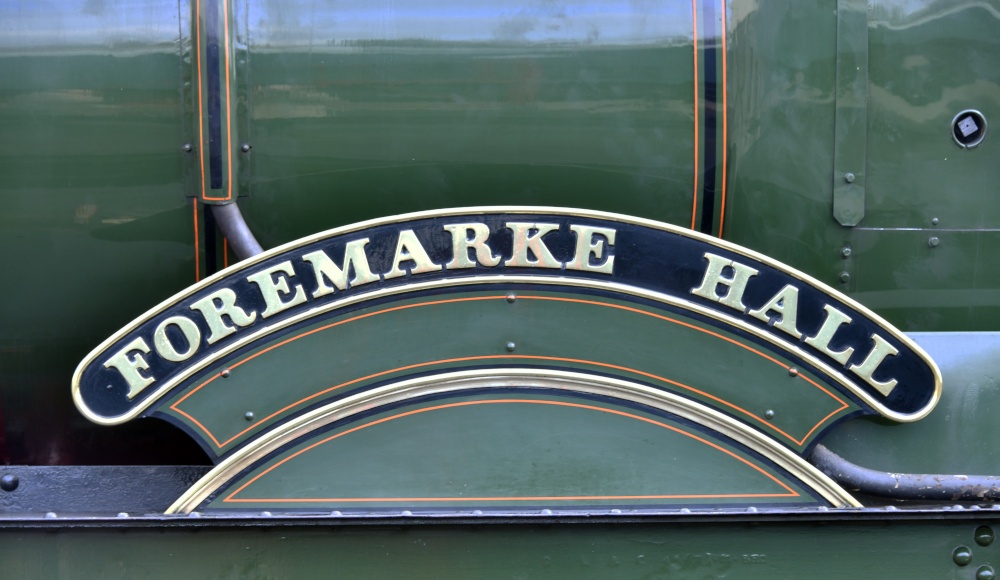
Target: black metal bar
[{"x": 922, "y": 486}]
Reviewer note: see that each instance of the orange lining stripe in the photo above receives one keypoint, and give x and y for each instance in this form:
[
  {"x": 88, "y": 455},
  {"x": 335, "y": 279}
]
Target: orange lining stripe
[
  {"x": 725, "y": 114},
  {"x": 694, "y": 30},
  {"x": 197, "y": 251},
  {"x": 791, "y": 492},
  {"x": 175, "y": 406}
]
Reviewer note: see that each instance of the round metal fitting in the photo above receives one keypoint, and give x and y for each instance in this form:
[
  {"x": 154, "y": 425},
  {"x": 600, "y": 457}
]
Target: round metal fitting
[
  {"x": 248, "y": 415},
  {"x": 968, "y": 128},
  {"x": 511, "y": 298},
  {"x": 245, "y": 148},
  {"x": 769, "y": 414},
  {"x": 849, "y": 177},
  {"x": 984, "y": 535},
  {"x": 845, "y": 253},
  {"x": 845, "y": 277},
  {"x": 986, "y": 573},
  {"x": 511, "y": 346},
  {"x": 962, "y": 556},
  {"x": 187, "y": 147},
  {"x": 9, "y": 482},
  {"x": 935, "y": 221},
  {"x": 793, "y": 372},
  {"x": 933, "y": 242},
  {"x": 225, "y": 374}
]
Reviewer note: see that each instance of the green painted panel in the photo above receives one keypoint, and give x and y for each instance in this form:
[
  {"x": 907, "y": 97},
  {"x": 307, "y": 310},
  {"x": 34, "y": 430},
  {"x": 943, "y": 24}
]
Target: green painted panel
[
  {"x": 928, "y": 63},
  {"x": 468, "y": 104},
  {"x": 95, "y": 227},
  {"x": 936, "y": 278},
  {"x": 564, "y": 330},
  {"x": 677, "y": 550},
  {"x": 959, "y": 436},
  {"x": 511, "y": 450}
]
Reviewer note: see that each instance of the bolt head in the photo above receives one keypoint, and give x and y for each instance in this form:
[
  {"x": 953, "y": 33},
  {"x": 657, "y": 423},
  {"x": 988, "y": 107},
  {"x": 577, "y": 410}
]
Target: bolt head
[
  {"x": 849, "y": 177},
  {"x": 9, "y": 482},
  {"x": 962, "y": 556},
  {"x": 845, "y": 277},
  {"x": 933, "y": 242},
  {"x": 845, "y": 253},
  {"x": 984, "y": 535}
]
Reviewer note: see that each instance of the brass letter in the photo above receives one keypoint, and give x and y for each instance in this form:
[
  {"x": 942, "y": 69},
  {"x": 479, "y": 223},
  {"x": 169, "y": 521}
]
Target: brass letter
[
  {"x": 834, "y": 318},
  {"x": 786, "y": 304},
  {"x": 524, "y": 242},
  {"x": 323, "y": 267},
  {"x": 866, "y": 369},
  {"x": 586, "y": 246},
  {"x": 461, "y": 244},
  {"x": 737, "y": 284},
  {"x": 129, "y": 367},
  {"x": 226, "y": 306},
  {"x": 272, "y": 290},
  {"x": 409, "y": 248},
  {"x": 191, "y": 334}
]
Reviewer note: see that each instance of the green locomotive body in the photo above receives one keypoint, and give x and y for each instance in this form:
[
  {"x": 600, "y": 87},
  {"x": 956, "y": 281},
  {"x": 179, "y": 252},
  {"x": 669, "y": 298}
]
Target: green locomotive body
[{"x": 779, "y": 270}]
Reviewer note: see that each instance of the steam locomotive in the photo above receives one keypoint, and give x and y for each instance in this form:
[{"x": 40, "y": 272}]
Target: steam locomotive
[{"x": 513, "y": 288}]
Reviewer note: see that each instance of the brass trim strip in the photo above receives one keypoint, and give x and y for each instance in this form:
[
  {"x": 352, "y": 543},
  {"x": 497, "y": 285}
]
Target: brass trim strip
[
  {"x": 250, "y": 262},
  {"x": 534, "y": 378}
]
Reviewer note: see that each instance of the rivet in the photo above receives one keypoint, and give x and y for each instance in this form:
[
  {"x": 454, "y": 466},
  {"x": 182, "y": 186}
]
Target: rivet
[
  {"x": 616, "y": 511},
  {"x": 336, "y": 513},
  {"x": 123, "y": 514},
  {"x": 935, "y": 221},
  {"x": 245, "y": 148},
  {"x": 845, "y": 277},
  {"x": 985, "y": 573},
  {"x": 962, "y": 556},
  {"x": 51, "y": 515},
  {"x": 406, "y": 513},
  {"x": 849, "y": 177},
  {"x": 511, "y": 346},
  {"x": 984, "y": 535},
  {"x": 9, "y": 482},
  {"x": 845, "y": 253},
  {"x": 225, "y": 374},
  {"x": 751, "y": 510},
  {"x": 194, "y": 515},
  {"x": 933, "y": 241},
  {"x": 477, "y": 512},
  {"x": 188, "y": 148},
  {"x": 265, "y": 514},
  {"x": 793, "y": 372},
  {"x": 511, "y": 298},
  {"x": 769, "y": 414},
  {"x": 248, "y": 416},
  {"x": 546, "y": 512}
]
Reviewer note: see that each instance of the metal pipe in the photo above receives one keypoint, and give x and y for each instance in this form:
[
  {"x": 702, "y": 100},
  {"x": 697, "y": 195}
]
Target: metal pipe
[
  {"x": 923, "y": 486},
  {"x": 234, "y": 227}
]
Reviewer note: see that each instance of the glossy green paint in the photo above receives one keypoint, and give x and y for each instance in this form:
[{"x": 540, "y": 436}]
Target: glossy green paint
[
  {"x": 374, "y": 112},
  {"x": 927, "y": 62},
  {"x": 676, "y": 550},
  {"x": 95, "y": 227},
  {"x": 510, "y": 451},
  {"x": 565, "y": 330},
  {"x": 959, "y": 436}
]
